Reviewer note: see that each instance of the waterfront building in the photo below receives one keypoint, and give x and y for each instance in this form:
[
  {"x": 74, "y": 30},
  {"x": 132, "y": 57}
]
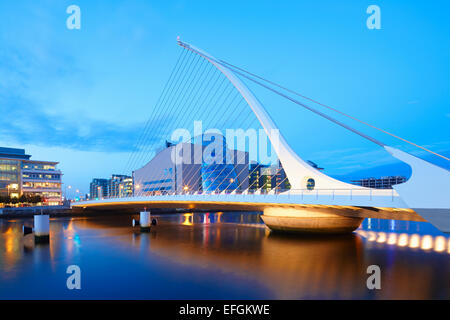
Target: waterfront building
[
  {"x": 220, "y": 173},
  {"x": 266, "y": 178},
  {"x": 189, "y": 171},
  {"x": 119, "y": 185},
  {"x": 20, "y": 176},
  {"x": 99, "y": 188},
  {"x": 254, "y": 176},
  {"x": 380, "y": 183},
  {"x": 281, "y": 180},
  {"x": 126, "y": 187}
]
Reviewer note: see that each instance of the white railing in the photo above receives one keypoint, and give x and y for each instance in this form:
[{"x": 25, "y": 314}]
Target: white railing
[{"x": 329, "y": 194}]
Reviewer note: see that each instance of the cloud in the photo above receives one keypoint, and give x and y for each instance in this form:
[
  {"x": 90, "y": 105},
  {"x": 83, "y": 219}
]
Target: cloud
[
  {"x": 29, "y": 81},
  {"x": 23, "y": 122}
]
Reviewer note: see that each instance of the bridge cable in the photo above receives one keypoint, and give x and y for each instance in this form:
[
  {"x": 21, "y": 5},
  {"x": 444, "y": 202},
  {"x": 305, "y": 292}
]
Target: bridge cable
[
  {"x": 147, "y": 125},
  {"x": 229, "y": 65},
  {"x": 220, "y": 84},
  {"x": 176, "y": 103},
  {"x": 235, "y": 152},
  {"x": 187, "y": 107},
  {"x": 169, "y": 89},
  {"x": 202, "y": 94},
  {"x": 228, "y": 87},
  {"x": 167, "y": 110}
]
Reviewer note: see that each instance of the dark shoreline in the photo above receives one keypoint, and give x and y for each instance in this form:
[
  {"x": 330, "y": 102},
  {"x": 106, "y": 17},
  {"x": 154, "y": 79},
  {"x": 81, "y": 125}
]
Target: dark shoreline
[{"x": 60, "y": 211}]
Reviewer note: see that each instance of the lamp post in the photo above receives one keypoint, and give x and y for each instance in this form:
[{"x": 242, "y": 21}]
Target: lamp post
[
  {"x": 65, "y": 191},
  {"x": 137, "y": 187}
]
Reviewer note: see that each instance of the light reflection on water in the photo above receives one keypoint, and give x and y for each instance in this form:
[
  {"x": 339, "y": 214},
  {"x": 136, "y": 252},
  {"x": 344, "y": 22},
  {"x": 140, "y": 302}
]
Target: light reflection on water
[{"x": 221, "y": 256}]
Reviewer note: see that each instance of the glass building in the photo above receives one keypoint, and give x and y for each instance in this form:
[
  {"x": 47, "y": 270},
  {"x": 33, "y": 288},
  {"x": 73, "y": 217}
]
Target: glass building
[
  {"x": 20, "y": 176},
  {"x": 99, "y": 188},
  {"x": 218, "y": 171},
  {"x": 192, "y": 168}
]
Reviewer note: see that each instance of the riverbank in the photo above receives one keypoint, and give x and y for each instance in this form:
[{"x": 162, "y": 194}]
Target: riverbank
[
  {"x": 31, "y": 211},
  {"x": 65, "y": 211}
]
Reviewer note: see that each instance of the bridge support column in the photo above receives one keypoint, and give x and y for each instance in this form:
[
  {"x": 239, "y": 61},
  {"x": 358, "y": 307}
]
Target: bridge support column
[
  {"x": 42, "y": 229},
  {"x": 145, "y": 221},
  {"x": 309, "y": 220}
]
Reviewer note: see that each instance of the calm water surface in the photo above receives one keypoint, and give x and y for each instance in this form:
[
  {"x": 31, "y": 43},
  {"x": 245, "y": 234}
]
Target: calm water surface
[{"x": 221, "y": 256}]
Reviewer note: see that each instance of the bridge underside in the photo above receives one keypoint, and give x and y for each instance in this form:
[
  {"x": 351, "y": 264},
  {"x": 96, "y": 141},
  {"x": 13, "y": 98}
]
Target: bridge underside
[{"x": 346, "y": 211}]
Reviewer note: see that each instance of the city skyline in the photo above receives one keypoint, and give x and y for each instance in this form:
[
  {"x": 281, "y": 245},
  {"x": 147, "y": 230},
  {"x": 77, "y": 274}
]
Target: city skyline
[{"x": 78, "y": 112}]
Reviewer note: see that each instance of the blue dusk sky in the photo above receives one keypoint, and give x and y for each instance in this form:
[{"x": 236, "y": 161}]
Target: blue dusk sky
[{"x": 81, "y": 97}]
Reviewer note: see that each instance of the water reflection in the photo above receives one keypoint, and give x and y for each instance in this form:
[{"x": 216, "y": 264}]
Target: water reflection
[
  {"x": 414, "y": 241},
  {"x": 225, "y": 255}
]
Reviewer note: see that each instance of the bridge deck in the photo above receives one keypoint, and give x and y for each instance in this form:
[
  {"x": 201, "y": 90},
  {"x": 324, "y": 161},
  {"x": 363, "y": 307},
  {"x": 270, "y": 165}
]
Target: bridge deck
[{"x": 383, "y": 205}]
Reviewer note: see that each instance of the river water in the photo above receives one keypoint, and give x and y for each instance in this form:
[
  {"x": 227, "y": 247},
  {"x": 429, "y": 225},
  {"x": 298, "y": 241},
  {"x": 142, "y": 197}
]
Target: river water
[{"x": 221, "y": 256}]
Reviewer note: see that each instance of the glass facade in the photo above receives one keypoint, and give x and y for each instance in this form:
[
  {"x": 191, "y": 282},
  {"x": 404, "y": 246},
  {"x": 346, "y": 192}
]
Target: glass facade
[
  {"x": 41, "y": 178},
  {"x": 9, "y": 177},
  {"x": 20, "y": 176},
  {"x": 218, "y": 175},
  {"x": 99, "y": 188}
]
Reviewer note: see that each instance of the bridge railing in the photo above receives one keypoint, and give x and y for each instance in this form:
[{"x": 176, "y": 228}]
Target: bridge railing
[{"x": 350, "y": 194}]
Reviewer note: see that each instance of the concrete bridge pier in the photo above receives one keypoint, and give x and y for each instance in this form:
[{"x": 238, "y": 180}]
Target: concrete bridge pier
[
  {"x": 145, "y": 221},
  {"x": 309, "y": 220},
  {"x": 42, "y": 228}
]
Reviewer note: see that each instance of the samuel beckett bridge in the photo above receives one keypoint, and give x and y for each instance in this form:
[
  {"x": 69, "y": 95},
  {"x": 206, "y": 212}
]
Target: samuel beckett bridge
[{"x": 207, "y": 171}]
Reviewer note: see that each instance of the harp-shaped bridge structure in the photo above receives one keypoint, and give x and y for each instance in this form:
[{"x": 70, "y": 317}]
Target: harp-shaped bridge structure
[{"x": 330, "y": 206}]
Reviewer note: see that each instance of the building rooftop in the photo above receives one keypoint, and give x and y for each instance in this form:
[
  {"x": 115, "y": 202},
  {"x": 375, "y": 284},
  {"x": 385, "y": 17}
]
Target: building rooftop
[
  {"x": 40, "y": 161},
  {"x": 13, "y": 153}
]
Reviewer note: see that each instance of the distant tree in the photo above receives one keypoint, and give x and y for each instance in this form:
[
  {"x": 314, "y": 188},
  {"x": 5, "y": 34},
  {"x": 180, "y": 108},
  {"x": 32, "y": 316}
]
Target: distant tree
[
  {"x": 23, "y": 199},
  {"x": 4, "y": 199}
]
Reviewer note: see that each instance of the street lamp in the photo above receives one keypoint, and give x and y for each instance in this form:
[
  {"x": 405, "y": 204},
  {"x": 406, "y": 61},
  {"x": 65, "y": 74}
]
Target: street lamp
[{"x": 65, "y": 191}]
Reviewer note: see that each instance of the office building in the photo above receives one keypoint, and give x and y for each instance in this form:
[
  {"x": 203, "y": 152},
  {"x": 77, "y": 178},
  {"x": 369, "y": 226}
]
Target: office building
[
  {"x": 118, "y": 186},
  {"x": 99, "y": 188},
  {"x": 193, "y": 167},
  {"x": 253, "y": 183},
  {"x": 266, "y": 178},
  {"x": 21, "y": 177}
]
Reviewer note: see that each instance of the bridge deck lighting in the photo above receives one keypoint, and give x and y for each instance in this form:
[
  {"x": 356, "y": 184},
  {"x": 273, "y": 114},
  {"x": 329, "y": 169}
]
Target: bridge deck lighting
[
  {"x": 414, "y": 241},
  {"x": 427, "y": 242},
  {"x": 439, "y": 244}
]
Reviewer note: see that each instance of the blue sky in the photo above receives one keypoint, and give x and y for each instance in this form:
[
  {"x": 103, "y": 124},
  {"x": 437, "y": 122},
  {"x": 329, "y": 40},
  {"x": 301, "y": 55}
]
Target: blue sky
[{"x": 81, "y": 96}]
